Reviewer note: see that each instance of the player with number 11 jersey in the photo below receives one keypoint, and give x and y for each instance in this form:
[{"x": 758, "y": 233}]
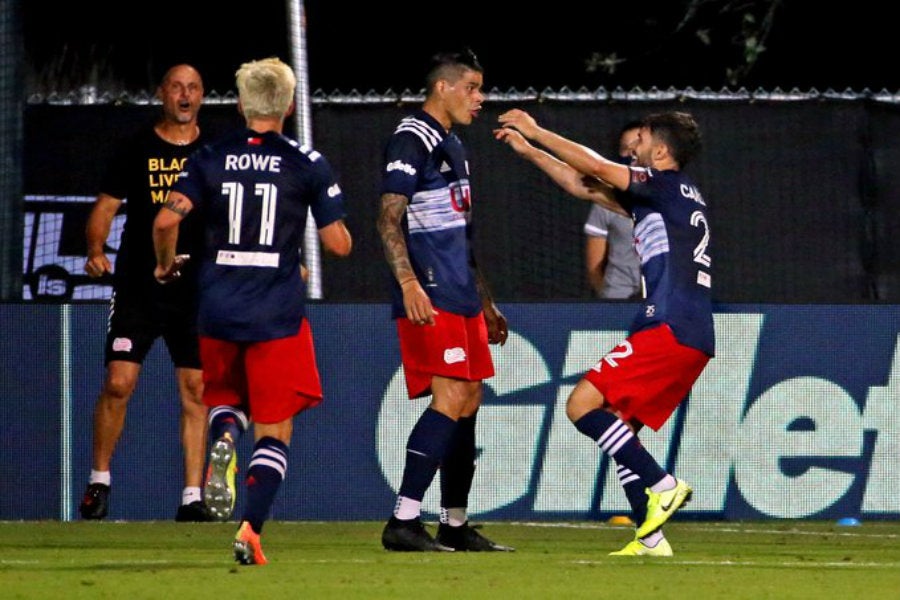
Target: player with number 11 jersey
[{"x": 251, "y": 190}]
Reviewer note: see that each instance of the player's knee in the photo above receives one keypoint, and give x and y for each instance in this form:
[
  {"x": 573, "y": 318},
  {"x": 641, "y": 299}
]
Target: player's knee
[
  {"x": 118, "y": 388},
  {"x": 583, "y": 399}
]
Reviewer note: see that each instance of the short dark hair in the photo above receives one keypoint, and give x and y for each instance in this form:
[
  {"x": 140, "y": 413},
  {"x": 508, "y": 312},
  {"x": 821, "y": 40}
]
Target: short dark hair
[
  {"x": 626, "y": 126},
  {"x": 451, "y": 65},
  {"x": 679, "y": 131}
]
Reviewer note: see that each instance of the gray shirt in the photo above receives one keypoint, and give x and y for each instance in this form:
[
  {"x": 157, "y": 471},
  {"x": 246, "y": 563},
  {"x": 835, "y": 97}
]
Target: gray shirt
[{"x": 622, "y": 277}]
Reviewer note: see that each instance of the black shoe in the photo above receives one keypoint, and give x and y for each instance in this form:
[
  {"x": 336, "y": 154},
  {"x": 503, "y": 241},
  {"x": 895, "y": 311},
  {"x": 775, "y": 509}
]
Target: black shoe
[
  {"x": 466, "y": 538},
  {"x": 95, "y": 504},
  {"x": 409, "y": 536},
  {"x": 194, "y": 512}
]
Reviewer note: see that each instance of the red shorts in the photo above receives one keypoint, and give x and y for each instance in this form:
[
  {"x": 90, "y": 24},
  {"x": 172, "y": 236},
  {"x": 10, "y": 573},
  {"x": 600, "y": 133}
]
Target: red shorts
[
  {"x": 455, "y": 347},
  {"x": 648, "y": 375},
  {"x": 272, "y": 380}
]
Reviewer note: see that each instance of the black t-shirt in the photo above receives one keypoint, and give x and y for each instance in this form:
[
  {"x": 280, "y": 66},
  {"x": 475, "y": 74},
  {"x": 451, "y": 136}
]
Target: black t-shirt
[{"x": 142, "y": 171}]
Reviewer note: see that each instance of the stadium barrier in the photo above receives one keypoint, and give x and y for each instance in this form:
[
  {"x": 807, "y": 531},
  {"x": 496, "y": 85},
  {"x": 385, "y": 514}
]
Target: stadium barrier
[
  {"x": 796, "y": 417},
  {"x": 802, "y": 189}
]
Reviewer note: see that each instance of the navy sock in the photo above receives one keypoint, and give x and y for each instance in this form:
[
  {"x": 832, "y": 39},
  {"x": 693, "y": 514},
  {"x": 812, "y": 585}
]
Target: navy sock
[
  {"x": 425, "y": 447},
  {"x": 635, "y": 491},
  {"x": 227, "y": 419},
  {"x": 458, "y": 466},
  {"x": 268, "y": 464},
  {"x": 616, "y": 439}
]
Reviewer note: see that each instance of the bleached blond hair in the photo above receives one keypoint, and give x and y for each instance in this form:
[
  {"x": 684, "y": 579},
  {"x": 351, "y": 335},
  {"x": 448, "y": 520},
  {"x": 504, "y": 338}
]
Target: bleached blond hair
[{"x": 266, "y": 88}]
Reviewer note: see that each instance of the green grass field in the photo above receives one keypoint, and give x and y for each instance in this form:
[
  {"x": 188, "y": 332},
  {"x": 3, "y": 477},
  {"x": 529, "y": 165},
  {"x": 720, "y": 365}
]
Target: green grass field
[{"x": 174, "y": 561}]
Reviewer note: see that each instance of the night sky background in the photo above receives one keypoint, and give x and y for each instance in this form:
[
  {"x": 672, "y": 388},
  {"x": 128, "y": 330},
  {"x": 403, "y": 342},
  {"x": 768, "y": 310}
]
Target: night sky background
[{"x": 384, "y": 46}]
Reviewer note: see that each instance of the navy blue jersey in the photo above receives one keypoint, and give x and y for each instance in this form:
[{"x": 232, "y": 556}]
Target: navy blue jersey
[
  {"x": 428, "y": 165},
  {"x": 672, "y": 237},
  {"x": 252, "y": 192}
]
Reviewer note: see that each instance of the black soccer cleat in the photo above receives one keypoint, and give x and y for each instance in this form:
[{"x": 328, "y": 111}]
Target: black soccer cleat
[
  {"x": 409, "y": 536},
  {"x": 95, "y": 504},
  {"x": 466, "y": 539},
  {"x": 195, "y": 512}
]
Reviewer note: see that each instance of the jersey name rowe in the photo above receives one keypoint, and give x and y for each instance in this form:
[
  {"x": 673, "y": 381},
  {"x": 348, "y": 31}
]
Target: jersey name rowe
[{"x": 253, "y": 162}]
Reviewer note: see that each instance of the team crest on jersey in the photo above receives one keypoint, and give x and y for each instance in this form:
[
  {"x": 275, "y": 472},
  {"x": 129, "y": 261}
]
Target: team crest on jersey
[
  {"x": 461, "y": 195},
  {"x": 639, "y": 175},
  {"x": 650, "y": 311}
]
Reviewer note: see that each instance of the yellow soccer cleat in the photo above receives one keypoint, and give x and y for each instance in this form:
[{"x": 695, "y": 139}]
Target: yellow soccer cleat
[
  {"x": 637, "y": 548},
  {"x": 247, "y": 549},
  {"x": 661, "y": 506},
  {"x": 219, "y": 491}
]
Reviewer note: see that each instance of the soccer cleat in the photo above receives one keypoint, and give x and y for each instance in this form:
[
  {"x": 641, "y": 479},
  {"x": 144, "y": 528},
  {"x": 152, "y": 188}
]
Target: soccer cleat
[
  {"x": 247, "y": 549},
  {"x": 637, "y": 548},
  {"x": 219, "y": 492},
  {"x": 195, "y": 512},
  {"x": 95, "y": 504},
  {"x": 661, "y": 506},
  {"x": 409, "y": 536},
  {"x": 466, "y": 538}
]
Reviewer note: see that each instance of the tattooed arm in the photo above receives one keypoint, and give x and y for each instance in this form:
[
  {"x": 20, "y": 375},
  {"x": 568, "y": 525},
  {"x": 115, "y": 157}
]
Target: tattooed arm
[
  {"x": 415, "y": 300},
  {"x": 165, "y": 232}
]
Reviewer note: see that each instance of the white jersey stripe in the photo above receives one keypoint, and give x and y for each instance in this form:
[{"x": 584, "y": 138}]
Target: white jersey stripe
[{"x": 652, "y": 237}]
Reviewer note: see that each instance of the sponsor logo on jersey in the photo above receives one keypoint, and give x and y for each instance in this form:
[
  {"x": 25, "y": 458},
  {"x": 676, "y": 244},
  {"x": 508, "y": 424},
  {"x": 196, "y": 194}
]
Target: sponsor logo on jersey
[
  {"x": 334, "y": 190},
  {"x": 399, "y": 165}
]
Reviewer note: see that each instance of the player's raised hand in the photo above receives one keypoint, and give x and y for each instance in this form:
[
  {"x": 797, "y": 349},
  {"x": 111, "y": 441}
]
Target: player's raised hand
[{"x": 520, "y": 120}]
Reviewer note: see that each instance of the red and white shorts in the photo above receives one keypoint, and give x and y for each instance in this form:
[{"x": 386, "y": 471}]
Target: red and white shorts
[
  {"x": 648, "y": 375},
  {"x": 271, "y": 380},
  {"x": 455, "y": 347}
]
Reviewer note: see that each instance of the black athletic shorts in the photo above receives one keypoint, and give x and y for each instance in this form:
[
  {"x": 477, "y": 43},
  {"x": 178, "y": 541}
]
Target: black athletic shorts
[{"x": 134, "y": 324}]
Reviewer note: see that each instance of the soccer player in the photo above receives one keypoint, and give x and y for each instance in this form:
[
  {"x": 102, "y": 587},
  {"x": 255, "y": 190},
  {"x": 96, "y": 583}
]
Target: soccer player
[
  {"x": 141, "y": 310},
  {"x": 252, "y": 191},
  {"x": 444, "y": 313},
  {"x": 643, "y": 379}
]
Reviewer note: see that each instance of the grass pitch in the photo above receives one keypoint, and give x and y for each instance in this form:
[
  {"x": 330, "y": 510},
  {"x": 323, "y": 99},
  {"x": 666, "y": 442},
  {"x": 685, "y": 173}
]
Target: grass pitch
[{"x": 174, "y": 561}]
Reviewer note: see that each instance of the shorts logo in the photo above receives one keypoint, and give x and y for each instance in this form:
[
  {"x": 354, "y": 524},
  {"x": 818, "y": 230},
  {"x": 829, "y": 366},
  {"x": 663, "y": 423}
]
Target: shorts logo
[
  {"x": 122, "y": 345},
  {"x": 454, "y": 355}
]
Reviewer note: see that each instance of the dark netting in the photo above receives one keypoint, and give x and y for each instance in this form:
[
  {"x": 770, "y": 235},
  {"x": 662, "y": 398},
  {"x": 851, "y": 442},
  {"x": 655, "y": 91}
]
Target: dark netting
[
  {"x": 804, "y": 206},
  {"x": 11, "y": 105}
]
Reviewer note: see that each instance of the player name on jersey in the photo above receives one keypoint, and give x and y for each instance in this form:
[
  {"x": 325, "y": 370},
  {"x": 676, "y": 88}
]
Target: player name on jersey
[{"x": 253, "y": 162}]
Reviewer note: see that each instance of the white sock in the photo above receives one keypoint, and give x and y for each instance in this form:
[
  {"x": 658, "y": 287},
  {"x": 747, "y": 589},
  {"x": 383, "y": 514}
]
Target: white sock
[
  {"x": 100, "y": 477},
  {"x": 190, "y": 494},
  {"x": 454, "y": 517},
  {"x": 407, "y": 508},
  {"x": 666, "y": 483}
]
